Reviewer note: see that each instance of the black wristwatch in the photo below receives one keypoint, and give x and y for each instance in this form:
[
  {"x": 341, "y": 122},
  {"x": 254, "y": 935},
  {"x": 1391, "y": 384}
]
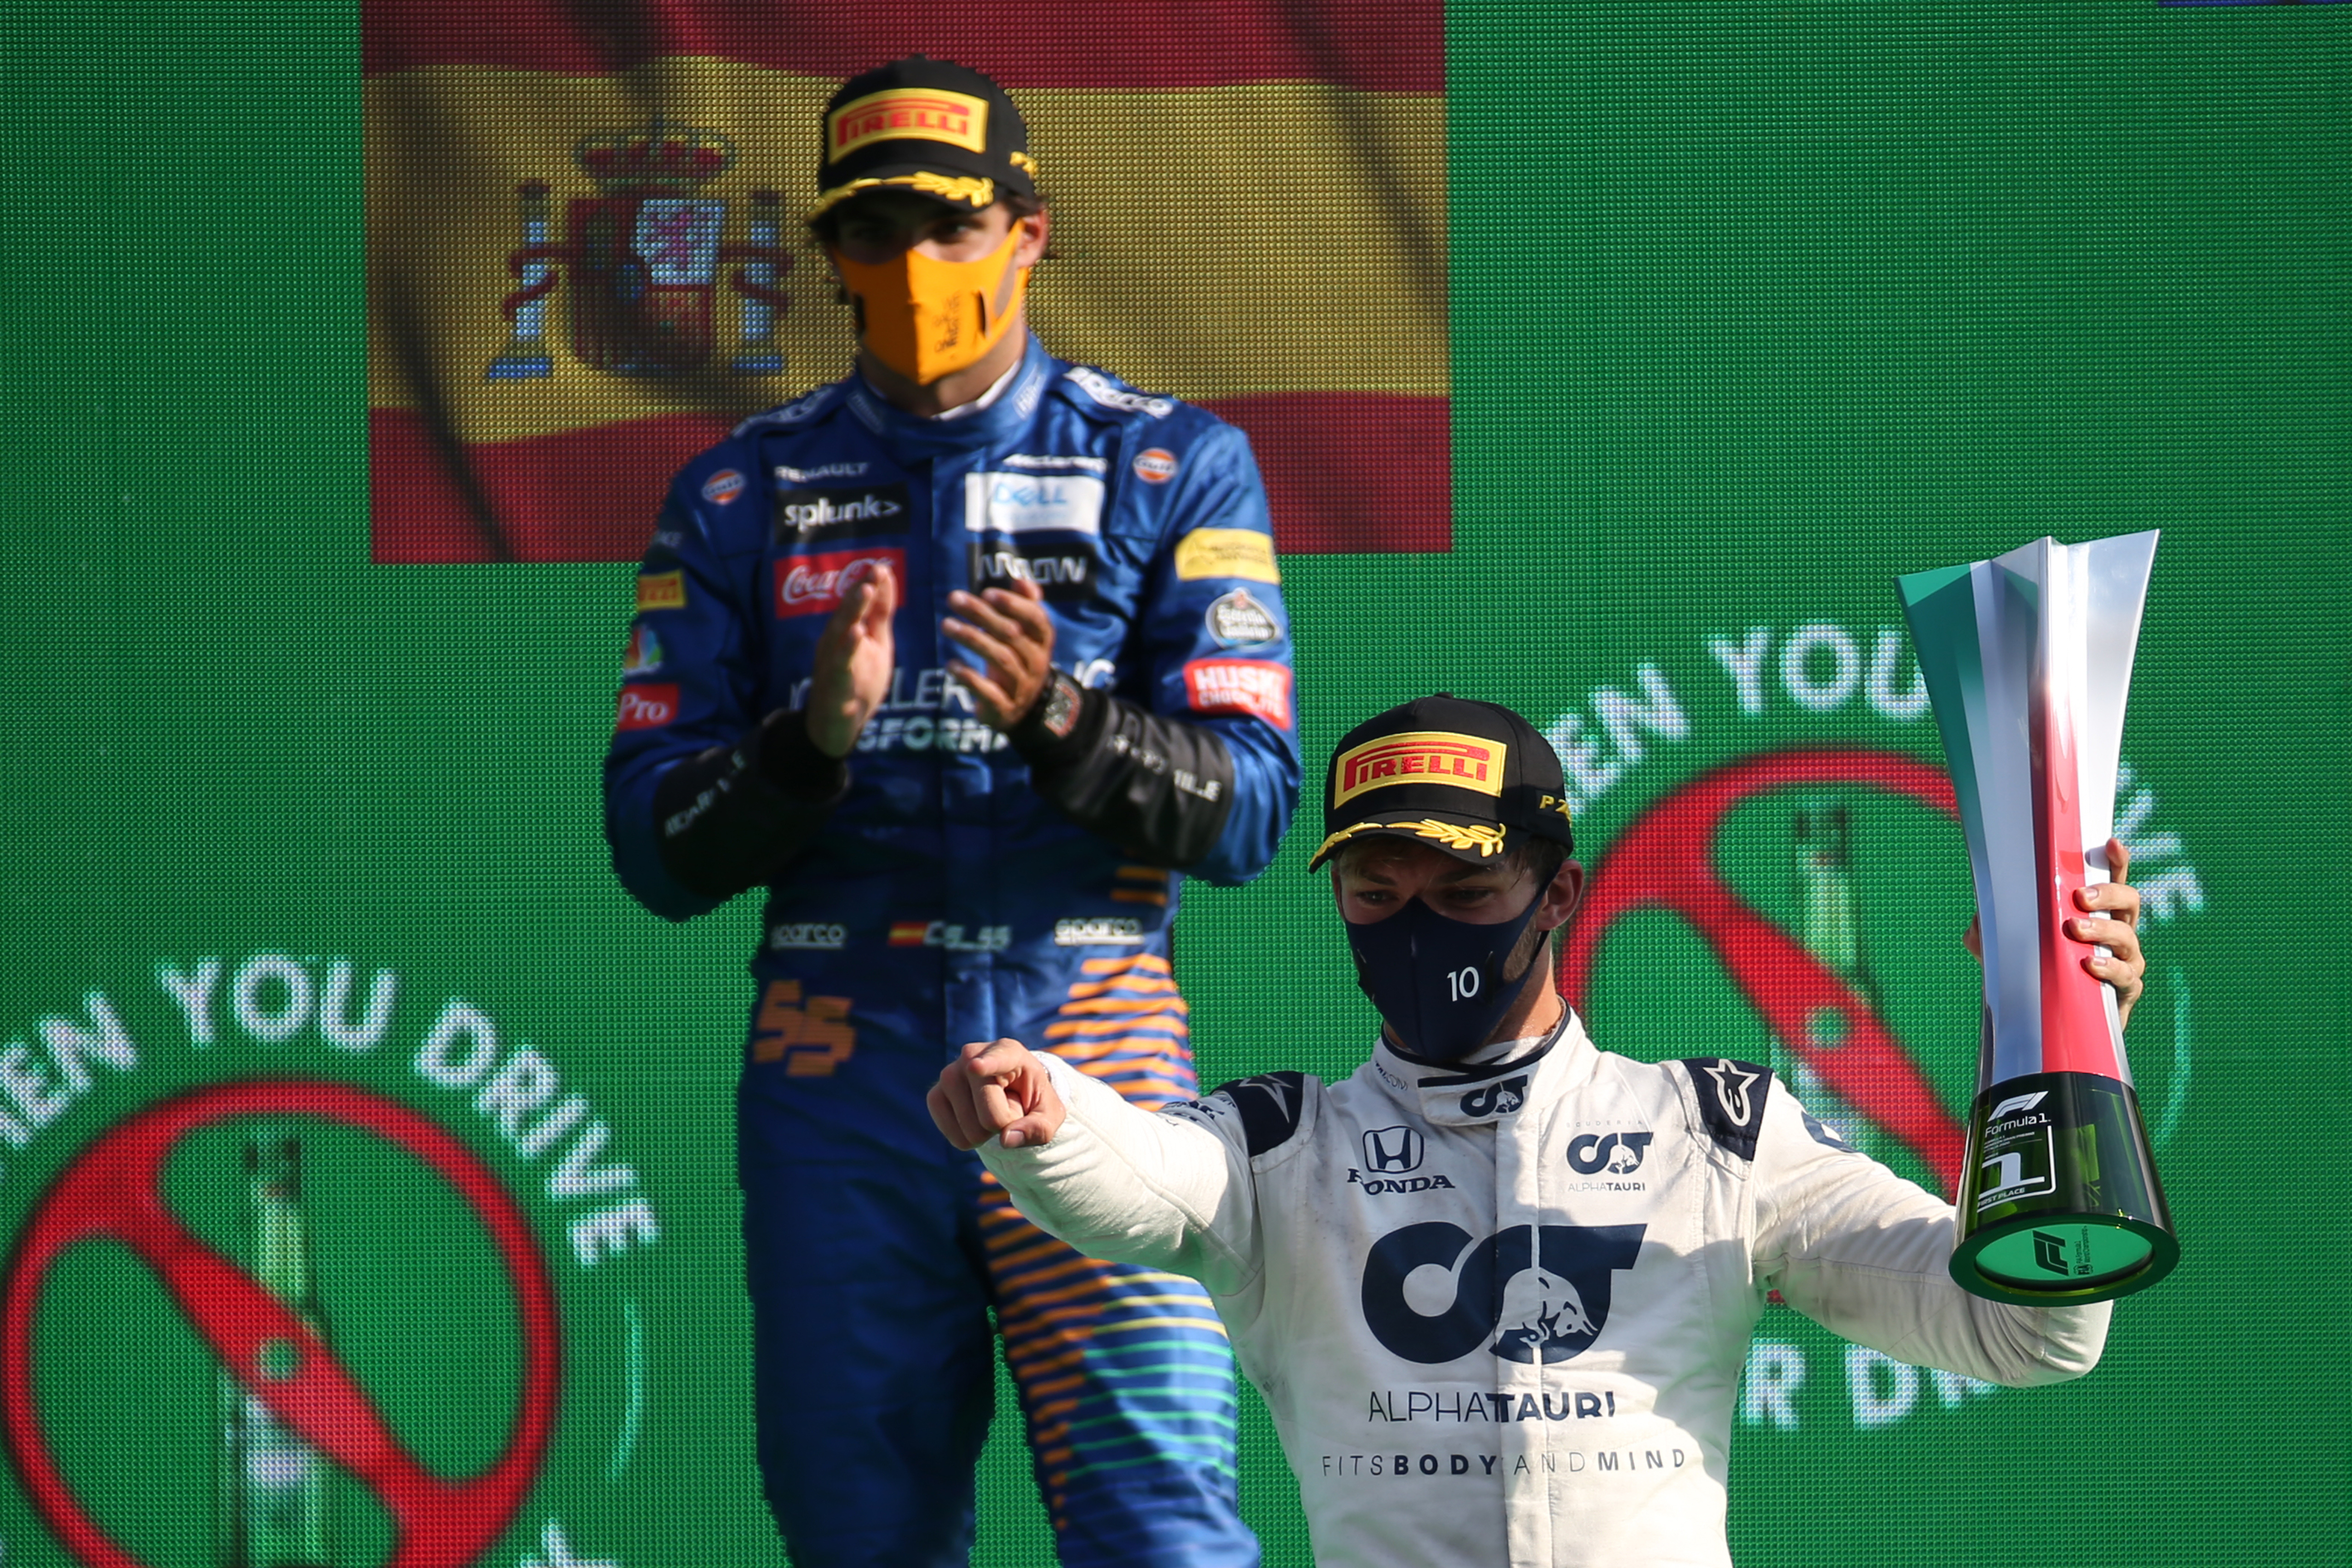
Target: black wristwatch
[{"x": 1058, "y": 706}]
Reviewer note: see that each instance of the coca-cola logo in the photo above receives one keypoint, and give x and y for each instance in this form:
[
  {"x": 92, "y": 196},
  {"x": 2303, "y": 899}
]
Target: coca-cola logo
[
  {"x": 814, "y": 584},
  {"x": 646, "y": 707}
]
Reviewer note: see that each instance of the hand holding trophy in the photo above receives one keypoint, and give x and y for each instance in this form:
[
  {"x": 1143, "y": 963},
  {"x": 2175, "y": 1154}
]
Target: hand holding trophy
[{"x": 2027, "y": 658}]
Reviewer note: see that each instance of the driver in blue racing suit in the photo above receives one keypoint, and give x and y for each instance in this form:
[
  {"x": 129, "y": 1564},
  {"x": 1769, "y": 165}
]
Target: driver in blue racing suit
[{"x": 964, "y": 658}]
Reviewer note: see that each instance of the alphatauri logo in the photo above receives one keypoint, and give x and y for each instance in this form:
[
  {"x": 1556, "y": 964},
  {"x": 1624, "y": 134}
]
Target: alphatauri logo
[
  {"x": 1618, "y": 1153},
  {"x": 1496, "y": 1098},
  {"x": 1541, "y": 1291}
]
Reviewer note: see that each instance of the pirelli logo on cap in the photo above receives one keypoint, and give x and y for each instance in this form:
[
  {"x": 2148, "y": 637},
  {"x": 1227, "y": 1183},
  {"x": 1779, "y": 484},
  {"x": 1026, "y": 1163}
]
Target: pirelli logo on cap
[
  {"x": 1419, "y": 756},
  {"x": 921, "y": 114}
]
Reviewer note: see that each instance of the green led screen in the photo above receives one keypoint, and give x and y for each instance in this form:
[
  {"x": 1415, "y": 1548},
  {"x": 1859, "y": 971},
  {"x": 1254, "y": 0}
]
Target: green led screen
[{"x": 1609, "y": 366}]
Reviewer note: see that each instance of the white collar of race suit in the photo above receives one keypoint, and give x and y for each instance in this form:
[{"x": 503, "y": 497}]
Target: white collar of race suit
[
  {"x": 987, "y": 400},
  {"x": 1472, "y": 1095},
  {"x": 1004, "y": 408}
]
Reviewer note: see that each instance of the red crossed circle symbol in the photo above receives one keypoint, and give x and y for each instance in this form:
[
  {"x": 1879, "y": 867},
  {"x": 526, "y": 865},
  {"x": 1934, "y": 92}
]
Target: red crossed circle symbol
[
  {"x": 1666, "y": 859},
  {"x": 114, "y": 1190}
]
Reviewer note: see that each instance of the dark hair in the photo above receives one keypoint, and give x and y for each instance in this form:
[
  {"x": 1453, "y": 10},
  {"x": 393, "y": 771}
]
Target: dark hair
[{"x": 1543, "y": 857}]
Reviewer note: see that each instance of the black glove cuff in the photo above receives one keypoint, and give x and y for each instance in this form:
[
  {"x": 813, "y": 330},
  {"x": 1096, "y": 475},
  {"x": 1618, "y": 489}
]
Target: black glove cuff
[{"x": 791, "y": 761}]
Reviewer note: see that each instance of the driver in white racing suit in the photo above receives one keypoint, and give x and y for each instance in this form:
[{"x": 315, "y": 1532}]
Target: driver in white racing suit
[{"x": 1497, "y": 1286}]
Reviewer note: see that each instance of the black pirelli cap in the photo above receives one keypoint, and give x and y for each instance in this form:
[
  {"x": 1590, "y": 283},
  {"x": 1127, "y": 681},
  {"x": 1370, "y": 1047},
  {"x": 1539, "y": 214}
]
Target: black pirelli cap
[
  {"x": 1474, "y": 779},
  {"x": 931, "y": 127}
]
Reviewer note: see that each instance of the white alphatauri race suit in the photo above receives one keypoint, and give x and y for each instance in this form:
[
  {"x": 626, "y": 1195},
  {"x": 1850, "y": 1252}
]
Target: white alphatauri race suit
[{"x": 1500, "y": 1315}]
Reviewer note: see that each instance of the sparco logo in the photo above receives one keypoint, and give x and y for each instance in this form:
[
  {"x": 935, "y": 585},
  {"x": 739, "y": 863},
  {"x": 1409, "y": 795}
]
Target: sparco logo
[
  {"x": 1091, "y": 933},
  {"x": 819, "y": 516},
  {"x": 1496, "y": 1098},
  {"x": 1545, "y": 1288},
  {"x": 1618, "y": 1153}
]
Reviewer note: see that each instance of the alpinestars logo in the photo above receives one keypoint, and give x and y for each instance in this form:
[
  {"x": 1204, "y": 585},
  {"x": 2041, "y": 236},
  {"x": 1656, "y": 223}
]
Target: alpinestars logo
[
  {"x": 1732, "y": 1082},
  {"x": 1285, "y": 1096},
  {"x": 1542, "y": 1291},
  {"x": 1496, "y": 1098}
]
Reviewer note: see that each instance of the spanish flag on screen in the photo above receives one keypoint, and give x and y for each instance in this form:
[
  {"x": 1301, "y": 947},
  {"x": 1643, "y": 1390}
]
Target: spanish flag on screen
[{"x": 586, "y": 258}]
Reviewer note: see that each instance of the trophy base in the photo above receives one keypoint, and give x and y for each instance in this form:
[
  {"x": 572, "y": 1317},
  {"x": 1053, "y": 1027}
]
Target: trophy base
[
  {"x": 2063, "y": 1261},
  {"x": 2060, "y": 1205}
]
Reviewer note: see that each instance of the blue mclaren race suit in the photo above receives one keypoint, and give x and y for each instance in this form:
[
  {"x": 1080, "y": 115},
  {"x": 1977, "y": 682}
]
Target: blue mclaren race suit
[{"x": 950, "y": 883}]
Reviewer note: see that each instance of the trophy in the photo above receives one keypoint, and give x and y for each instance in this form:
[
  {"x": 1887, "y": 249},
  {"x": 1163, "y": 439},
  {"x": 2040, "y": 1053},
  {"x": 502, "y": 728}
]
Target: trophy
[{"x": 2026, "y": 659}]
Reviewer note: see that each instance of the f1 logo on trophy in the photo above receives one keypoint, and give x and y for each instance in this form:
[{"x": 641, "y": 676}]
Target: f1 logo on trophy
[{"x": 2027, "y": 658}]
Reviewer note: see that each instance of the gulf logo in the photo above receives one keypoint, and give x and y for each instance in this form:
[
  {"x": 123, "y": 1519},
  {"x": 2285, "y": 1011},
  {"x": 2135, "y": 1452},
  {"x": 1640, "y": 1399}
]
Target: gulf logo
[
  {"x": 1155, "y": 466},
  {"x": 721, "y": 488}
]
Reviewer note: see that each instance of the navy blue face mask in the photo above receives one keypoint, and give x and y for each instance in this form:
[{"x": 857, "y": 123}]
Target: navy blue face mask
[{"x": 1438, "y": 981}]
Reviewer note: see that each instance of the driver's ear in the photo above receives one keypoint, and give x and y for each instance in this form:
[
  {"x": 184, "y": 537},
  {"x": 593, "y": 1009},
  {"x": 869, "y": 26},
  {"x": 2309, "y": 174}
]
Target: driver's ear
[
  {"x": 1036, "y": 234},
  {"x": 1560, "y": 899}
]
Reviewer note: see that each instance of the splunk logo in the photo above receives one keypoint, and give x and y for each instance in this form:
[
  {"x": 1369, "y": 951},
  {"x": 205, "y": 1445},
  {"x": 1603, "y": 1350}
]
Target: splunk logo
[
  {"x": 1542, "y": 1291},
  {"x": 805, "y": 517}
]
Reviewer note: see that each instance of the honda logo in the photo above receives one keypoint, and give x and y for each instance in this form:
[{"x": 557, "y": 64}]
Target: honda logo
[{"x": 1391, "y": 1151}]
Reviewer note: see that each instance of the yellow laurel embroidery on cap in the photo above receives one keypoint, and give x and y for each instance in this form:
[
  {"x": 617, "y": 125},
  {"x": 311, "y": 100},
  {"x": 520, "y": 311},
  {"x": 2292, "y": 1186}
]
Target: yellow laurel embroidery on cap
[
  {"x": 967, "y": 188},
  {"x": 1022, "y": 162},
  {"x": 1339, "y": 837},
  {"x": 1485, "y": 840}
]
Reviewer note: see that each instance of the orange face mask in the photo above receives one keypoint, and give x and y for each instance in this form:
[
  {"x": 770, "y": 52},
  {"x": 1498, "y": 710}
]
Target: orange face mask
[{"x": 926, "y": 319}]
